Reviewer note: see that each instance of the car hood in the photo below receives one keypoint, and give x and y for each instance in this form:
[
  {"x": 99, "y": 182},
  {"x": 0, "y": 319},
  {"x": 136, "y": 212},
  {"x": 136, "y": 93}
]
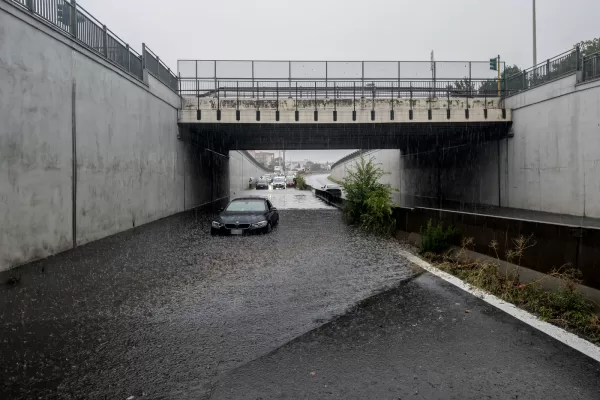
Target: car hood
[{"x": 241, "y": 218}]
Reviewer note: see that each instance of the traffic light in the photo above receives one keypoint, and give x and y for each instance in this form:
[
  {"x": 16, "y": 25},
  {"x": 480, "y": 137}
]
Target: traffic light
[{"x": 494, "y": 64}]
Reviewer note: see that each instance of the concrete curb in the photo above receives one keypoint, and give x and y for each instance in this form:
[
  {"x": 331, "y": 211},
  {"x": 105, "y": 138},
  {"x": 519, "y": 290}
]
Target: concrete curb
[{"x": 571, "y": 340}]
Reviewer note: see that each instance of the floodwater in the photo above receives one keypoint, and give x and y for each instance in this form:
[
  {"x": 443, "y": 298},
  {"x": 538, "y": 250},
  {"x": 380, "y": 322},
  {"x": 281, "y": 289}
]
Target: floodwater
[
  {"x": 286, "y": 199},
  {"x": 314, "y": 309},
  {"x": 163, "y": 310}
]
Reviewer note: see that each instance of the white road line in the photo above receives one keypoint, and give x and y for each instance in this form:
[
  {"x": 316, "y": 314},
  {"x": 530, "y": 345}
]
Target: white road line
[{"x": 571, "y": 340}]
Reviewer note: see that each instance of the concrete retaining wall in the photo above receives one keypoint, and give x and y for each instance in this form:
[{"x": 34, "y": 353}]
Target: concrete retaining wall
[
  {"x": 553, "y": 161},
  {"x": 60, "y": 106},
  {"x": 242, "y": 166}
]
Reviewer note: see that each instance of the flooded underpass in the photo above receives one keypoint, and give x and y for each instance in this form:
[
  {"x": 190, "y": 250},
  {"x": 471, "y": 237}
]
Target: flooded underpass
[
  {"x": 162, "y": 310},
  {"x": 313, "y": 309}
]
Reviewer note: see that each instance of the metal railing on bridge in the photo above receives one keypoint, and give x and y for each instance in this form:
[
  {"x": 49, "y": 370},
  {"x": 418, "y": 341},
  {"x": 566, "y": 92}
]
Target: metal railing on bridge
[
  {"x": 325, "y": 79},
  {"x": 556, "y": 67},
  {"x": 591, "y": 67},
  {"x": 71, "y": 19}
]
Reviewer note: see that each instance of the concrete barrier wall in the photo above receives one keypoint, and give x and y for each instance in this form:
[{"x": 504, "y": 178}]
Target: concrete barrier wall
[
  {"x": 242, "y": 166},
  {"x": 555, "y": 245},
  {"x": 553, "y": 161},
  {"x": 62, "y": 105}
]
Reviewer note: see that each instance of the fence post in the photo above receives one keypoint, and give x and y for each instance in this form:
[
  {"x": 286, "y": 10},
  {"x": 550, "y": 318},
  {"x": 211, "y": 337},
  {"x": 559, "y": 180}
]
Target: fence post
[
  {"x": 74, "y": 18},
  {"x": 548, "y": 69},
  {"x": 30, "y": 5},
  {"x": 128, "y": 58},
  {"x": 105, "y": 34},
  {"x": 578, "y": 56},
  {"x": 144, "y": 58},
  {"x": 362, "y": 90}
]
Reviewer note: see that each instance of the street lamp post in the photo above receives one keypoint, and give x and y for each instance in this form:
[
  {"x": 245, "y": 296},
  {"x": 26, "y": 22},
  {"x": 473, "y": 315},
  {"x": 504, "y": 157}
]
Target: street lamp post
[{"x": 534, "y": 37}]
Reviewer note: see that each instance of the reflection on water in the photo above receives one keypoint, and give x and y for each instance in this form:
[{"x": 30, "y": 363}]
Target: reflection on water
[{"x": 288, "y": 199}]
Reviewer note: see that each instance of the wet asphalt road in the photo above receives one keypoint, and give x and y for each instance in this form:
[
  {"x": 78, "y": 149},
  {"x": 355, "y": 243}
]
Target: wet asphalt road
[{"x": 167, "y": 311}]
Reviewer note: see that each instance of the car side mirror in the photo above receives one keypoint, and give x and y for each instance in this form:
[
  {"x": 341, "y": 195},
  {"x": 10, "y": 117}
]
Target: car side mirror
[
  {"x": 273, "y": 209},
  {"x": 220, "y": 209}
]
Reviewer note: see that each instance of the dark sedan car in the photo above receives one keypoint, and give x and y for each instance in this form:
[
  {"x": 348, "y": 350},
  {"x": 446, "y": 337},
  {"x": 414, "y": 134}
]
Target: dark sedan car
[
  {"x": 262, "y": 184},
  {"x": 246, "y": 215}
]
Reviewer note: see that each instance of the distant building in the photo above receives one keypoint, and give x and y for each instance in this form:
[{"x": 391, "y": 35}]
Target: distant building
[{"x": 264, "y": 158}]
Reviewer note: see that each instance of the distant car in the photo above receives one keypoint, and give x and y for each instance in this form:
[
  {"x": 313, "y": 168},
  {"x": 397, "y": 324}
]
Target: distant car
[
  {"x": 279, "y": 182},
  {"x": 333, "y": 189},
  {"x": 262, "y": 184},
  {"x": 269, "y": 178},
  {"x": 245, "y": 215},
  {"x": 289, "y": 180}
]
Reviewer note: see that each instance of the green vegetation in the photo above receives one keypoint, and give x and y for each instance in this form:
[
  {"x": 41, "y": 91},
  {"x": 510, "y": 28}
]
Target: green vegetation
[
  {"x": 565, "y": 307},
  {"x": 334, "y": 180},
  {"x": 301, "y": 182},
  {"x": 436, "y": 239},
  {"x": 368, "y": 203}
]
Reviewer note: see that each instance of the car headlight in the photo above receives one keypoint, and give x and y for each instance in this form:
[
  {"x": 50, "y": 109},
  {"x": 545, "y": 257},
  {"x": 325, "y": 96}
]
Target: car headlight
[
  {"x": 260, "y": 224},
  {"x": 216, "y": 224}
]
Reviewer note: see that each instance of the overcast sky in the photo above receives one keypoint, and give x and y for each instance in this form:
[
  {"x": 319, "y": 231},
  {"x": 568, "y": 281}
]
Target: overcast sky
[{"x": 348, "y": 29}]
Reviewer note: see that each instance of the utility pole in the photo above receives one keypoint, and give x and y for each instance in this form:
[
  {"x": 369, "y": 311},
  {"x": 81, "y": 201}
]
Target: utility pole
[{"x": 534, "y": 36}]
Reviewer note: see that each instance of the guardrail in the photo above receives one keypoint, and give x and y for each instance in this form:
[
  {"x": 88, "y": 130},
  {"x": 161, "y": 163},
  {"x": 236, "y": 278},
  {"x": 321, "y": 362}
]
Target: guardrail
[
  {"x": 333, "y": 70},
  {"x": 340, "y": 89},
  {"x": 556, "y": 67},
  {"x": 72, "y": 20},
  {"x": 591, "y": 67},
  {"x": 157, "y": 68}
]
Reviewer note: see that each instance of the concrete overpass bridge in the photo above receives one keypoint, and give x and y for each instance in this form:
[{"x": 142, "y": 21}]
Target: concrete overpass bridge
[{"x": 339, "y": 104}]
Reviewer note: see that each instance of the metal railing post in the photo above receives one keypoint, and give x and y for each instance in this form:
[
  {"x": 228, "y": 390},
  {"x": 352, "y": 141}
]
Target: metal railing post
[
  {"x": 73, "y": 15},
  {"x": 548, "y": 69},
  {"x": 215, "y": 74},
  {"x": 399, "y": 79},
  {"x": 105, "y": 34},
  {"x": 144, "y": 60},
  {"x": 252, "y": 78},
  {"x": 290, "y": 77},
  {"x": 128, "y": 58},
  {"x": 30, "y": 5},
  {"x": 363, "y": 80}
]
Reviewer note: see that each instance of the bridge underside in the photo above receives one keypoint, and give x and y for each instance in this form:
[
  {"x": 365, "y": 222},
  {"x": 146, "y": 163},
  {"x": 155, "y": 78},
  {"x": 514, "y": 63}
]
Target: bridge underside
[{"x": 319, "y": 136}]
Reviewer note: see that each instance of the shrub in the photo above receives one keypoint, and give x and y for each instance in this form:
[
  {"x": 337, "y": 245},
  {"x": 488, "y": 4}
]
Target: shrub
[
  {"x": 436, "y": 239},
  {"x": 368, "y": 202},
  {"x": 301, "y": 182}
]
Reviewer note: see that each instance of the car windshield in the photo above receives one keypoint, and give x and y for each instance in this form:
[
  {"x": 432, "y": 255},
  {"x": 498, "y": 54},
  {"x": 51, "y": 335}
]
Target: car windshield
[
  {"x": 278, "y": 179},
  {"x": 289, "y": 178},
  {"x": 246, "y": 205}
]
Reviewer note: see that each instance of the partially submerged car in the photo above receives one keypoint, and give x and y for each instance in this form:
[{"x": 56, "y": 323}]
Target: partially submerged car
[{"x": 245, "y": 215}]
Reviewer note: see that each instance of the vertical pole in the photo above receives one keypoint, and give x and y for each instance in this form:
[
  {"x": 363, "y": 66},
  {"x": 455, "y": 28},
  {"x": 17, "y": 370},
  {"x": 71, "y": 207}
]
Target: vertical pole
[
  {"x": 548, "y": 69},
  {"x": 499, "y": 66},
  {"x": 439, "y": 172},
  {"x": 73, "y": 16},
  {"x": 30, "y": 5},
  {"x": 144, "y": 60},
  {"x": 74, "y": 164},
  {"x": 253, "y": 78},
  {"x": 128, "y": 58},
  {"x": 363, "y": 80},
  {"x": 399, "y": 79},
  {"x": 470, "y": 78},
  {"x": 105, "y": 34},
  {"x": 326, "y": 84},
  {"x": 534, "y": 36},
  {"x": 215, "y": 74}
]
